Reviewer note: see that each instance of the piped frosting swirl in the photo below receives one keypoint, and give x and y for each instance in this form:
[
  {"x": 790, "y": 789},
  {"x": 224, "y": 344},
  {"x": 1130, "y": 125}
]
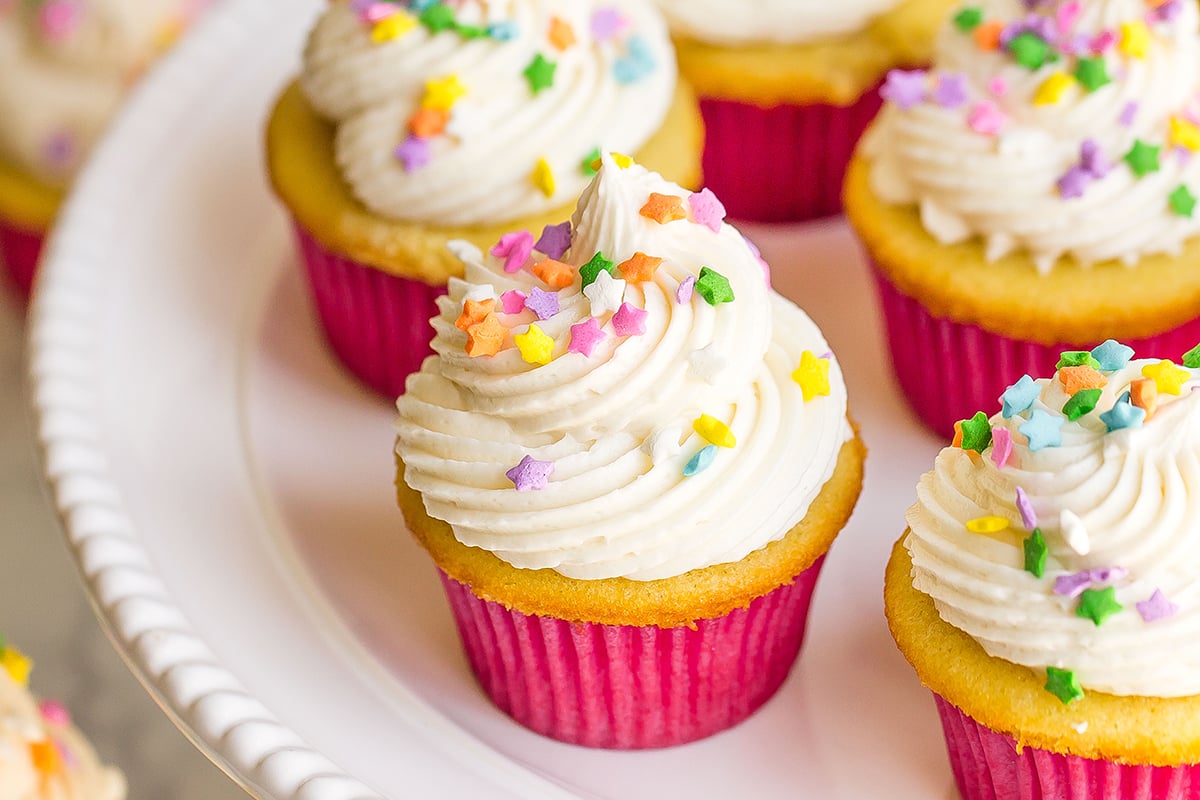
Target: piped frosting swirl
[{"x": 777, "y": 21}]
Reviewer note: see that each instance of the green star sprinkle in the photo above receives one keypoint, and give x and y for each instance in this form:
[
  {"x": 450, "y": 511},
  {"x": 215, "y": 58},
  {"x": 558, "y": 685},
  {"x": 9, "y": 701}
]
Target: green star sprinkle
[
  {"x": 1063, "y": 684},
  {"x": 1092, "y": 72},
  {"x": 1081, "y": 403},
  {"x": 438, "y": 17},
  {"x": 586, "y": 166},
  {"x": 969, "y": 19},
  {"x": 1142, "y": 158},
  {"x": 591, "y": 270},
  {"x": 1098, "y": 604},
  {"x": 470, "y": 31},
  {"x": 540, "y": 73},
  {"x": 1183, "y": 202},
  {"x": 976, "y": 432},
  {"x": 1191, "y": 359},
  {"x": 1031, "y": 51},
  {"x": 1035, "y": 553},
  {"x": 1077, "y": 358},
  {"x": 714, "y": 287}
]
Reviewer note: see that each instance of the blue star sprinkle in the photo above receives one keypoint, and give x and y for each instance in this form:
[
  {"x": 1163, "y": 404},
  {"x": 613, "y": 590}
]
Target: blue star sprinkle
[
  {"x": 1042, "y": 430},
  {"x": 1019, "y": 396}
]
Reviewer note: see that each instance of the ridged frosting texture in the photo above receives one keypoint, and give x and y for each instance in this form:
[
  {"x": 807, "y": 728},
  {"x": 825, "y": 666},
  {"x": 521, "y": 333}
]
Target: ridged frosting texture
[
  {"x": 1113, "y": 495},
  {"x": 479, "y": 113},
  {"x": 775, "y": 21},
  {"x": 617, "y": 420},
  {"x": 1053, "y": 129},
  {"x": 64, "y": 67}
]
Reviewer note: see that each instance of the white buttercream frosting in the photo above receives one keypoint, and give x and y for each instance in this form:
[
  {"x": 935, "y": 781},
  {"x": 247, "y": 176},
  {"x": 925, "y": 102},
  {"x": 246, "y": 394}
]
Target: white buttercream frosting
[
  {"x": 1121, "y": 504},
  {"x": 613, "y": 82},
  {"x": 994, "y": 149},
  {"x": 618, "y": 426},
  {"x": 776, "y": 21},
  {"x": 64, "y": 67}
]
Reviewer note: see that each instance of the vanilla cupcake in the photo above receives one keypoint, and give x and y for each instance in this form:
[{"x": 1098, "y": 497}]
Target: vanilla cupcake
[
  {"x": 787, "y": 87},
  {"x": 1034, "y": 192},
  {"x": 65, "y": 65},
  {"x": 1048, "y": 587},
  {"x": 413, "y": 124},
  {"x": 623, "y": 457}
]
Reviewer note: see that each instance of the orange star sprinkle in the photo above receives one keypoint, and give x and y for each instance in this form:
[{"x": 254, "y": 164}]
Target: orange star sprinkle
[
  {"x": 486, "y": 338},
  {"x": 554, "y": 273},
  {"x": 987, "y": 35},
  {"x": 1076, "y": 379},
  {"x": 561, "y": 35},
  {"x": 640, "y": 268},
  {"x": 429, "y": 122},
  {"x": 45, "y": 756},
  {"x": 958, "y": 435},
  {"x": 663, "y": 208},
  {"x": 474, "y": 312},
  {"x": 1144, "y": 394}
]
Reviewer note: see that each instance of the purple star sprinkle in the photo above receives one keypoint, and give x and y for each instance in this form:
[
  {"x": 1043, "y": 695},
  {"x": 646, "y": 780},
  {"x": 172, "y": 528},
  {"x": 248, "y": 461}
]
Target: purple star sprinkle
[
  {"x": 555, "y": 241},
  {"x": 951, "y": 91},
  {"x": 544, "y": 304},
  {"x": 531, "y": 475},
  {"x": 905, "y": 88},
  {"x": 1073, "y": 585},
  {"x": 607, "y": 23},
  {"x": 1128, "y": 113},
  {"x": 1091, "y": 160},
  {"x": 413, "y": 153},
  {"x": 629, "y": 321},
  {"x": 686, "y": 289},
  {"x": 707, "y": 210},
  {"x": 1028, "y": 515},
  {"x": 1074, "y": 182},
  {"x": 585, "y": 336},
  {"x": 512, "y": 302},
  {"x": 1157, "y": 607},
  {"x": 515, "y": 248},
  {"x": 60, "y": 149},
  {"x": 1168, "y": 11}
]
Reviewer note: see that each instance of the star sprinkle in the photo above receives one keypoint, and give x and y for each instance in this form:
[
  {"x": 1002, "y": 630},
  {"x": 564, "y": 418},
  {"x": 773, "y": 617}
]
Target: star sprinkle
[
  {"x": 1157, "y": 607},
  {"x": 622, "y": 162},
  {"x": 700, "y": 462},
  {"x": 591, "y": 163},
  {"x": 1025, "y": 509},
  {"x": 707, "y": 210},
  {"x": 987, "y": 36},
  {"x": 1182, "y": 201},
  {"x": 1123, "y": 415},
  {"x": 393, "y": 27},
  {"x": 1128, "y": 113},
  {"x": 663, "y": 208},
  {"x": 951, "y": 91},
  {"x": 441, "y": 94},
  {"x": 503, "y": 31},
  {"x": 413, "y": 153},
  {"x": 812, "y": 376},
  {"x": 561, "y": 34},
  {"x": 1135, "y": 39},
  {"x": 540, "y": 74},
  {"x": 1019, "y": 397},
  {"x": 987, "y": 525},
  {"x": 986, "y": 118},
  {"x": 1031, "y": 51},
  {"x": 592, "y": 269},
  {"x": 1073, "y": 586},
  {"x": 486, "y": 338},
  {"x": 1002, "y": 445},
  {"x": 427, "y": 122},
  {"x": 1168, "y": 378},
  {"x": 1143, "y": 158},
  {"x": 555, "y": 240},
  {"x": 686, "y": 289},
  {"x": 474, "y": 312},
  {"x": 1043, "y": 430},
  {"x": 543, "y": 304},
  {"x": 1063, "y": 684},
  {"x": 1074, "y": 532},
  {"x": 968, "y": 19},
  {"x": 1184, "y": 133},
  {"x": 714, "y": 287},
  {"x": 1191, "y": 359},
  {"x": 1036, "y": 553},
  {"x": 535, "y": 346},
  {"x": 976, "y": 433},
  {"x": 531, "y": 475},
  {"x": 1112, "y": 356},
  {"x": 636, "y": 64},
  {"x": 1073, "y": 183},
  {"x": 629, "y": 321},
  {"x": 1143, "y": 393},
  {"x": 607, "y": 23},
  {"x": 640, "y": 268},
  {"x": 512, "y": 302},
  {"x": 904, "y": 88},
  {"x": 543, "y": 178},
  {"x": 606, "y": 294},
  {"x": 1092, "y": 72},
  {"x": 1098, "y": 605},
  {"x": 1076, "y": 358},
  {"x": 54, "y": 713},
  {"x": 585, "y": 336},
  {"x": 438, "y": 17},
  {"x": 1079, "y": 379},
  {"x": 554, "y": 273},
  {"x": 714, "y": 431},
  {"x": 1052, "y": 89},
  {"x": 515, "y": 248},
  {"x": 16, "y": 664}
]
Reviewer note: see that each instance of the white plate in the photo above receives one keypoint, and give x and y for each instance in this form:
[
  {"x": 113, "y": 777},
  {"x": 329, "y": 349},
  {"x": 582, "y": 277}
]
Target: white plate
[{"x": 227, "y": 494}]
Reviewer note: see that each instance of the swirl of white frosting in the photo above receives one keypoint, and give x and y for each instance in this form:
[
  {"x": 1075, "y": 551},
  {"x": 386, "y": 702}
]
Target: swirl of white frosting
[
  {"x": 989, "y": 163},
  {"x": 64, "y": 67},
  {"x": 1134, "y": 492},
  {"x": 479, "y": 171},
  {"x": 618, "y": 425},
  {"x": 777, "y": 21}
]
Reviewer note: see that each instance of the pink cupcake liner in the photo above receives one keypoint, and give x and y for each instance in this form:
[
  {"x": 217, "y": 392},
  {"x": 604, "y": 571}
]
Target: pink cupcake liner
[
  {"x": 629, "y": 687},
  {"x": 782, "y": 164},
  {"x": 19, "y": 252},
  {"x": 926, "y": 351},
  {"x": 988, "y": 766},
  {"x": 376, "y": 323}
]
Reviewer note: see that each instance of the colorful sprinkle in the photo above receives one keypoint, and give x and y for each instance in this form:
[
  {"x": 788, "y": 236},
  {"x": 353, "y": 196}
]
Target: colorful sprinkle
[
  {"x": 585, "y": 336},
  {"x": 1191, "y": 359},
  {"x": 1098, "y": 605},
  {"x": 1073, "y": 586},
  {"x": 621, "y": 161},
  {"x": 438, "y": 17},
  {"x": 636, "y": 64},
  {"x": 951, "y": 90},
  {"x": 555, "y": 240},
  {"x": 1025, "y": 509},
  {"x": 413, "y": 153},
  {"x": 1143, "y": 158},
  {"x": 1182, "y": 201},
  {"x": 700, "y": 462},
  {"x": 968, "y": 19},
  {"x": 904, "y": 88},
  {"x": 987, "y": 525},
  {"x": 442, "y": 94},
  {"x": 986, "y": 118},
  {"x": 1135, "y": 39},
  {"x": 512, "y": 301},
  {"x": 1036, "y": 553},
  {"x": 591, "y": 163},
  {"x": 474, "y": 312},
  {"x": 393, "y": 27},
  {"x": 1184, "y": 133},
  {"x": 707, "y": 210},
  {"x": 561, "y": 34},
  {"x": 486, "y": 338},
  {"x": 1074, "y": 532},
  {"x": 663, "y": 208},
  {"x": 543, "y": 178},
  {"x": 1123, "y": 415},
  {"x": 45, "y": 756},
  {"x": 640, "y": 268},
  {"x": 535, "y": 346},
  {"x": 554, "y": 273},
  {"x": 503, "y": 31},
  {"x": 1052, "y": 89},
  {"x": 531, "y": 475},
  {"x": 1031, "y": 51},
  {"x": 1002, "y": 446},
  {"x": 543, "y": 304},
  {"x": 976, "y": 433},
  {"x": 605, "y": 294},
  {"x": 1143, "y": 393},
  {"x": 427, "y": 122},
  {"x": 1076, "y": 358},
  {"x": 1019, "y": 397},
  {"x": 812, "y": 375},
  {"x": 16, "y": 664},
  {"x": 714, "y": 431},
  {"x": 1080, "y": 379},
  {"x": 1042, "y": 430},
  {"x": 629, "y": 321},
  {"x": 589, "y": 271},
  {"x": 1128, "y": 113},
  {"x": 607, "y": 23},
  {"x": 1092, "y": 72},
  {"x": 54, "y": 713},
  {"x": 1168, "y": 378},
  {"x": 687, "y": 288},
  {"x": 1112, "y": 356},
  {"x": 1063, "y": 684},
  {"x": 515, "y": 248},
  {"x": 714, "y": 287},
  {"x": 540, "y": 74},
  {"x": 1158, "y": 607}
]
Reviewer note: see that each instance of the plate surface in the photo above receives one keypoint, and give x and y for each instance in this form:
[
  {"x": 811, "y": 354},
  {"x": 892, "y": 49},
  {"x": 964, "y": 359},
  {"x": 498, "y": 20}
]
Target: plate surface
[{"x": 227, "y": 493}]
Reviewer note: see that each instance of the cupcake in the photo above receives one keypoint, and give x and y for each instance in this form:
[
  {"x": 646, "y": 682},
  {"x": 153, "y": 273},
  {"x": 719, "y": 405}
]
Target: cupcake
[
  {"x": 1047, "y": 590},
  {"x": 787, "y": 87},
  {"x": 64, "y": 67},
  {"x": 417, "y": 123},
  {"x": 628, "y": 464},
  {"x": 42, "y": 755},
  {"x": 1034, "y": 192}
]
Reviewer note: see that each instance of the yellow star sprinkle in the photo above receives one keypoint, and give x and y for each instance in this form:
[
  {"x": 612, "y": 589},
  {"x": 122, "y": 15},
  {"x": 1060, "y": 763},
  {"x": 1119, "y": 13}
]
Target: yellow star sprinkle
[
  {"x": 441, "y": 95},
  {"x": 16, "y": 664},
  {"x": 535, "y": 346},
  {"x": 1168, "y": 378},
  {"x": 812, "y": 375},
  {"x": 987, "y": 525},
  {"x": 714, "y": 431},
  {"x": 1135, "y": 39},
  {"x": 621, "y": 160},
  {"x": 1053, "y": 89},
  {"x": 1184, "y": 133},
  {"x": 392, "y": 27},
  {"x": 543, "y": 178}
]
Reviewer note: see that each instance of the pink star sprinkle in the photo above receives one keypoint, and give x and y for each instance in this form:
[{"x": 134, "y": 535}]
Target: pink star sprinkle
[
  {"x": 531, "y": 475},
  {"x": 1067, "y": 15},
  {"x": 515, "y": 248},
  {"x": 58, "y": 19},
  {"x": 686, "y": 289},
  {"x": 998, "y": 86},
  {"x": 512, "y": 301},
  {"x": 986, "y": 118},
  {"x": 585, "y": 336},
  {"x": 607, "y": 23},
  {"x": 1001, "y": 446},
  {"x": 1157, "y": 607},
  {"x": 54, "y": 713},
  {"x": 629, "y": 321},
  {"x": 707, "y": 210}
]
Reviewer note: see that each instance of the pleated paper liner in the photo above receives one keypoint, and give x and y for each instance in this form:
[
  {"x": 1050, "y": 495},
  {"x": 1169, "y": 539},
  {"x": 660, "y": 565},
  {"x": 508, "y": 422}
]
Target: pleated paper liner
[{"x": 19, "y": 253}]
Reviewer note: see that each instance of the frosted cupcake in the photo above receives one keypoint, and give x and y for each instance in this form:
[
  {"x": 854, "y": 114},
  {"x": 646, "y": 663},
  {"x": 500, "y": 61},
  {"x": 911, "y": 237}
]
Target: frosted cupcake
[
  {"x": 64, "y": 67},
  {"x": 624, "y": 455},
  {"x": 787, "y": 87},
  {"x": 413, "y": 124},
  {"x": 1048, "y": 588},
  {"x": 1034, "y": 192},
  {"x": 42, "y": 755}
]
